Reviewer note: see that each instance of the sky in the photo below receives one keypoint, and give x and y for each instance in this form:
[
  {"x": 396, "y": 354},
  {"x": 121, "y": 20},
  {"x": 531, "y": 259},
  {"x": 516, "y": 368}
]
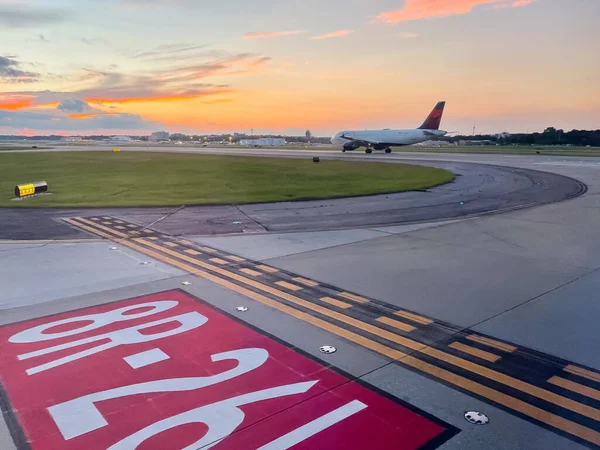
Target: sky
[{"x": 283, "y": 66}]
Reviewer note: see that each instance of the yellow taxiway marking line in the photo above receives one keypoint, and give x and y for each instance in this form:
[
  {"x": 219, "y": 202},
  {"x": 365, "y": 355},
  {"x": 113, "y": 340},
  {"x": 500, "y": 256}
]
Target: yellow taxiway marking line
[
  {"x": 219, "y": 261},
  {"x": 267, "y": 269},
  {"x": 171, "y": 244},
  {"x": 192, "y": 252},
  {"x": 354, "y": 298},
  {"x": 396, "y": 324},
  {"x": 576, "y": 387},
  {"x": 475, "y": 352},
  {"x": 334, "y": 302},
  {"x": 414, "y": 317},
  {"x": 251, "y": 272},
  {"x": 582, "y": 373},
  {"x": 290, "y": 286},
  {"x": 235, "y": 258},
  {"x": 462, "y": 382},
  {"x": 408, "y": 343},
  {"x": 492, "y": 343},
  {"x": 184, "y": 242},
  {"x": 208, "y": 250},
  {"x": 306, "y": 282}
]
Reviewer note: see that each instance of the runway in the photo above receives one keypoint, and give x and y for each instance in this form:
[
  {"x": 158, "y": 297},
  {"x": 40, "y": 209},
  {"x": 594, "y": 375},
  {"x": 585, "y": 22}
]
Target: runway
[
  {"x": 477, "y": 189},
  {"x": 439, "y": 314}
]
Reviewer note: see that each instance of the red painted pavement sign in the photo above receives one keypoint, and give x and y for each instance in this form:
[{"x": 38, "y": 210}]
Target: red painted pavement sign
[{"x": 167, "y": 371}]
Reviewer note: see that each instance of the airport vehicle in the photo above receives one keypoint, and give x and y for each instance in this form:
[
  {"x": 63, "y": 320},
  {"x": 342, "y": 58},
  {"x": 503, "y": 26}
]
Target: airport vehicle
[{"x": 386, "y": 139}]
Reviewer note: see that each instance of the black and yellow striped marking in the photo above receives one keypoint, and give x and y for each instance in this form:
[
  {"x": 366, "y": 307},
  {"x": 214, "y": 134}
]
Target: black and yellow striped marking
[{"x": 543, "y": 389}]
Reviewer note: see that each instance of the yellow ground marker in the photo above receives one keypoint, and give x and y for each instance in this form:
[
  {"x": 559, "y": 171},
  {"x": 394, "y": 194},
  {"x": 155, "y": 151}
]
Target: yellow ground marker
[
  {"x": 290, "y": 286},
  {"x": 396, "y": 324},
  {"x": 306, "y": 282},
  {"x": 192, "y": 252},
  {"x": 414, "y": 317},
  {"x": 475, "y": 352},
  {"x": 576, "y": 387},
  {"x": 267, "y": 268},
  {"x": 464, "y": 383},
  {"x": 334, "y": 302},
  {"x": 354, "y": 298},
  {"x": 492, "y": 343},
  {"x": 582, "y": 373},
  {"x": 251, "y": 272},
  {"x": 219, "y": 261}
]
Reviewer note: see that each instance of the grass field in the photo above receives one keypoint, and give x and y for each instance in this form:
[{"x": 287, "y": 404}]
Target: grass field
[{"x": 154, "y": 179}]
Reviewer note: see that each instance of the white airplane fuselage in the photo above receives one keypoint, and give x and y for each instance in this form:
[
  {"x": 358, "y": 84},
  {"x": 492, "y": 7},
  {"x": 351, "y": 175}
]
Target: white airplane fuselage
[{"x": 386, "y": 138}]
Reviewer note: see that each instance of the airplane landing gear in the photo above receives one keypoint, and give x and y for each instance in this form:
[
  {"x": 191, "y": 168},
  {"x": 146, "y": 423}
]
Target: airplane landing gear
[
  {"x": 368, "y": 151},
  {"x": 388, "y": 150}
]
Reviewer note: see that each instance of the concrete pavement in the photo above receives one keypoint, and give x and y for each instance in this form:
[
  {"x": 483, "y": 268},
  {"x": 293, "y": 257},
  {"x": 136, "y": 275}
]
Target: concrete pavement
[{"x": 528, "y": 277}]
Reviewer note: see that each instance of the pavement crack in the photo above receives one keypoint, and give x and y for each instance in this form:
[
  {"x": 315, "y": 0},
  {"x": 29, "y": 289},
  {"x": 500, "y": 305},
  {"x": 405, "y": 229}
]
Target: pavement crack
[
  {"x": 256, "y": 222},
  {"x": 166, "y": 216}
]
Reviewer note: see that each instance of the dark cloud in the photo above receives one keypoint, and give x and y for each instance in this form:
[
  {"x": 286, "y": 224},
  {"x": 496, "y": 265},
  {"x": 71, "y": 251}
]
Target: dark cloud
[
  {"x": 11, "y": 72},
  {"x": 20, "y": 17},
  {"x": 73, "y": 106}
]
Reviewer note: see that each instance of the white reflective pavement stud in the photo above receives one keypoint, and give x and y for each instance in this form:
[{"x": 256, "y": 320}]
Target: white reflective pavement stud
[
  {"x": 81, "y": 416},
  {"x": 316, "y": 426},
  {"x": 132, "y": 335}
]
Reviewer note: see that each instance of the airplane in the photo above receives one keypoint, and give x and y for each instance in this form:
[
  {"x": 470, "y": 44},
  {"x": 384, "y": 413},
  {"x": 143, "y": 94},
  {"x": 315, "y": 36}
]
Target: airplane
[{"x": 386, "y": 139}]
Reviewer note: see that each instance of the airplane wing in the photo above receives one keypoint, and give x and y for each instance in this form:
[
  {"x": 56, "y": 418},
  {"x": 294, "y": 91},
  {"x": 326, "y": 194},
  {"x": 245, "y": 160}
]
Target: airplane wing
[{"x": 361, "y": 142}]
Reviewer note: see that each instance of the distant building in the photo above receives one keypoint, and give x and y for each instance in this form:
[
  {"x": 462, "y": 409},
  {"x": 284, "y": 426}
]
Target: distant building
[
  {"x": 266, "y": 142},
  {"x": 72, "y": 139},
  {"x": 121, "y": 138},
  {"x": 159, "y": 136},
  {"x": 308, "y": 134}
]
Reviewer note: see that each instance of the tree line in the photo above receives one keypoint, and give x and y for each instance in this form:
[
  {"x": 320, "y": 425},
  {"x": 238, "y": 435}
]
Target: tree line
[{"x": 550, "y": 136}]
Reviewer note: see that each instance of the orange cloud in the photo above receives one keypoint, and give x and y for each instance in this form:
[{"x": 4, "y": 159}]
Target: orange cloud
[
  {"x": 333, "y": 34},
  {"x": 15, "y": 103},
  {"x": 91, "y": 116},
  {"x": 269, "y": 34},
  {"x": 158, "y": 99},
  {"x": 427, "y": 9}
]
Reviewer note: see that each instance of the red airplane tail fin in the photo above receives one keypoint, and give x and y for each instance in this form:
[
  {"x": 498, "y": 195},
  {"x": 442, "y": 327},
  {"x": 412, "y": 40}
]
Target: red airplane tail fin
[{"x": 435, "y": 117}]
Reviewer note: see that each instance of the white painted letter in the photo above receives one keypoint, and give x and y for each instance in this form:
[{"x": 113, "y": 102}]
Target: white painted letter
[
  {"x": 187, "y": 322},
  {"x": 80, "y": 416},
  {"x": 36, "y": 334},
  {"x": 222, "y": 418}
]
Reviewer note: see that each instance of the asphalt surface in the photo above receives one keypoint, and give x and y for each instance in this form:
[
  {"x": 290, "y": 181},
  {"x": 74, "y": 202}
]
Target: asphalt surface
[
  {"x": 526, "y": 278},
  {"x": 477, "y": 189}
]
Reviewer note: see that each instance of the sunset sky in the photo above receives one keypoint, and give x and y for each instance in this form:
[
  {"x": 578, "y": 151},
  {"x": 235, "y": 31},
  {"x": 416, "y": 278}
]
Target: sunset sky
[{"x": 284, "y": 66}]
